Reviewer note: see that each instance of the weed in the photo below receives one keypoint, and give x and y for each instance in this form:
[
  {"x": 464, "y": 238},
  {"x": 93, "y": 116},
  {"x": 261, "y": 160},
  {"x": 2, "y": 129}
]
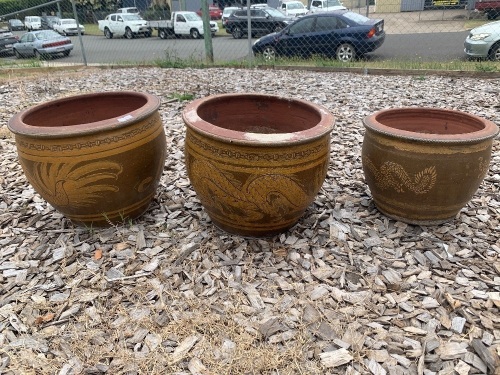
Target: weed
[{"x": 182, "y": 96}]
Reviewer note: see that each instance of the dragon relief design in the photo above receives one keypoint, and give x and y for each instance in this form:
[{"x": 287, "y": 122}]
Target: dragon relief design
[
  {"x": 78, "y": 185},
  {"x": 393, "y": 175},
  {"x": 269, "y": 195}
]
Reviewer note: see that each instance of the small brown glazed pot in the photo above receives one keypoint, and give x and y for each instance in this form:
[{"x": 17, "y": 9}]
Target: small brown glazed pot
[
  {"x": 256, "y": 162},
  {"x": 96, "y": 158},
  {"x": 423, "y": 165}
]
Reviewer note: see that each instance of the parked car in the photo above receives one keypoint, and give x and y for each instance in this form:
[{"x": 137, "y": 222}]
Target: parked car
[
  {"x": 342, "y": 34},
  {"x": 262, "y": 21},
  {"x": 484, "y": 42},
  {"x": 325, "y": 6},
  {"x": 48, "y": 22},
  {"x": 214, "y": 11},
  {"x": 68, "y": 26},
  {"x": 7, "y": 40},
  {"x": 226, "y": 13},
  {"x": 15, "y": 25},
  {"x": 293, "y": 8},
  {"x": 131, "y": 10},
  {"x": 33, "y": 23},
  {"x": 41, "y": 44}
]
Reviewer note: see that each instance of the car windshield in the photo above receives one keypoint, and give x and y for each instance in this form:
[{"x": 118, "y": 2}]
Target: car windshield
[
  {"x": 274, "y": 12},
  {"x": 333, "y": 3},
  {"x": 131, "y": 17},
  {"x": 46, "y": 35},
  {"x": 15, "y": 22},
  {"x": 356, "y": 17},
  {"x": 295, "y": 6},
  {"x": 228, "y": 11},
  {"x": 192, "y": 17}
]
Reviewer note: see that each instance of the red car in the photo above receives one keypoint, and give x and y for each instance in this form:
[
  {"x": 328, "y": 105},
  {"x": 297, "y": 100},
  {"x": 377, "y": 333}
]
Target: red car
[{"x": 214, "y": 11}]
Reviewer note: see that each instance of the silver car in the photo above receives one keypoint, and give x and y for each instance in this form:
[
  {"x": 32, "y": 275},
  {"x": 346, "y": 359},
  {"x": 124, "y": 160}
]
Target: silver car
[
  {"x": 484, "y": 42},
  {"x": 41, "y": 44}
]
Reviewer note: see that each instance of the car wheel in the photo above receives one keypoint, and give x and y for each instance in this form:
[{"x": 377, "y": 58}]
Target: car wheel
[
  {"x": 38, "y": 55},
  {"x": 494, "y": 53},
  {"x": 128, "y": 33},
  {"x": 163, "y": 34},
  {"x": 17, "y": 54},
  {"x": 237, "y": 33},
  {"x": 195, "y": 34},
  {"x": 66, "y": 53},
  {"x": 108, "y": 34},
  {"x": 269, "y": 53},
  {"x": 345, "y": 52},
  {"x": 147, "y": 34}
]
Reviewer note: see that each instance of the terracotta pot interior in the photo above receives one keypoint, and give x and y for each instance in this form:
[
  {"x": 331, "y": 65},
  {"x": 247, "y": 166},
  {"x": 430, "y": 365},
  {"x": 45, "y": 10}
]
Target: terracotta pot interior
[
  {"x": 430, "y": 122},
  {"x": 259, "y": 114},
  {"x": 83, "y": 110}
]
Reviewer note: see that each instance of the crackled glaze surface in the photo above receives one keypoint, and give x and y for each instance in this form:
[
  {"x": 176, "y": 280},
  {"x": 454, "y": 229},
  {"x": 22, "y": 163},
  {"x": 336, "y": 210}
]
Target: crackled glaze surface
[
  {"x": 422, "y": 164},
  {"x": 97, "y": 158}
]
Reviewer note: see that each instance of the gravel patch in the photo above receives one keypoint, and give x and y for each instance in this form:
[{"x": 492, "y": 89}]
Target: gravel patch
[{"x": 345, "y": 291}]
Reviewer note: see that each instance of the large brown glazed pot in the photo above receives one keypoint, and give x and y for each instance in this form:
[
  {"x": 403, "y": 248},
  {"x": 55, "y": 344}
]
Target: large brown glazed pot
[
  {"x": 423, "y": 165},
  {"x": 256, "y": 162},
  {"x": 97, "y": 158}
]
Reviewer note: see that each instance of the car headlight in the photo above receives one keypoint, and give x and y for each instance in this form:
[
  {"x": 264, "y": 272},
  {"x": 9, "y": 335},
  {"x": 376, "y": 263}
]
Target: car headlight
[{"x": 481, "y": 36}]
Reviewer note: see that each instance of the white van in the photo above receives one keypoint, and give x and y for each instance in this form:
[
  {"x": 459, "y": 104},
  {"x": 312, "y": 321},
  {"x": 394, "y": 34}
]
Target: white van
[
  {"x": 293, "y": 8},
  {"x": 33, "y": 23}
]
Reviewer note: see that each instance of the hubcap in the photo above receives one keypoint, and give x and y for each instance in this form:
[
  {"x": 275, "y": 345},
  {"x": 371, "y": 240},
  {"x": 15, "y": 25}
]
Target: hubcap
[
  {"x": 269, "y": 54},
  {"x": 345, "y": 54}
]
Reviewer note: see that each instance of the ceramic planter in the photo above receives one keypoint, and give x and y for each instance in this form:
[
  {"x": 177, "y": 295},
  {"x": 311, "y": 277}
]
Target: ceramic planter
[
  {"x": 256, "y": 162},
  {"x": 423, "y": 165},
  {"x": 96, "y": 158}
]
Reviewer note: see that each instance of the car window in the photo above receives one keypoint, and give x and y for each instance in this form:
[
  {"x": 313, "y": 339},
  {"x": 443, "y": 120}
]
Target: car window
[
  {"x": 192, "y": 17},
  {"x": 295, "y": 6},
  {"x": 333, "y": 3},
  {"x": 131, "y": 17},
  {"x": 356, "y": 17},
  {"x": 274, "y": 12},
  {"x": 180, "y": 18},
  {"x": 327, "y": 23},
  {"x": 316, "y": 3},
  {"x": 305, "y": 25},
  {"x": 113, "y": 17}
]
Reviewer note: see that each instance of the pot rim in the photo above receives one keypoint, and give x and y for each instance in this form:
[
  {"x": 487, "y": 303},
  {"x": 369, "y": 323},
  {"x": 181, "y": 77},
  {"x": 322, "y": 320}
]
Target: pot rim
[
  {"x": 17, "y": 125},
  {"x": 490, "y": 129},
  {"x": 196, "y": 123}
]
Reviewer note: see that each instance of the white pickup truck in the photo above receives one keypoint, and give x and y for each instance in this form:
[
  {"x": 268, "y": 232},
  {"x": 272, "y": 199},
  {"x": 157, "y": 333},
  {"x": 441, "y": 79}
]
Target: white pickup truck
[
  {"x": 183, "y": 23},
  {"x": 124, "y": 24}
]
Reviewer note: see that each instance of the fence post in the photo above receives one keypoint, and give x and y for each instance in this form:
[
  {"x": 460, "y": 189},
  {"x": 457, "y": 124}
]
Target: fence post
[
  {"x": 79, "y": 32},
  {"x": 207, "y": 32},
  {"x": 249, "y": 35}
]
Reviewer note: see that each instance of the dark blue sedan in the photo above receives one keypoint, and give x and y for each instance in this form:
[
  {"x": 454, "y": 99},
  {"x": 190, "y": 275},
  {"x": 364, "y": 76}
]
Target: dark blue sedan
[{"x": 342, "y": 34}]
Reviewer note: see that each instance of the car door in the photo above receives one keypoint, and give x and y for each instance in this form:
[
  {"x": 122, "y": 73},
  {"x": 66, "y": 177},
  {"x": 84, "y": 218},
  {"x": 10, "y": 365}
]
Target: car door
[
  {"x": 25, "y": 46},
  {"x": 181, "y": 25},
  {"x": 296, "y": 39},
  {"x": 327, "y": 34},
  {"x": 259, "y": 21}
]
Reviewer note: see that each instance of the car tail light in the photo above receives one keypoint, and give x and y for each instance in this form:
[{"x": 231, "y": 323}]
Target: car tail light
[
  {"x": 55, "y": 44},
  {"x": 371, "y": 33}
]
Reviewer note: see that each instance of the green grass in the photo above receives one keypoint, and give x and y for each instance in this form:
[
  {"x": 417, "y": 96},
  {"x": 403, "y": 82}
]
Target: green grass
[{"x": 470, "y": 24}]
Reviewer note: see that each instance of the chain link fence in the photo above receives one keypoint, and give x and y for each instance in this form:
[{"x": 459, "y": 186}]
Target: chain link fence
[{"x": 414, "y": 29}]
